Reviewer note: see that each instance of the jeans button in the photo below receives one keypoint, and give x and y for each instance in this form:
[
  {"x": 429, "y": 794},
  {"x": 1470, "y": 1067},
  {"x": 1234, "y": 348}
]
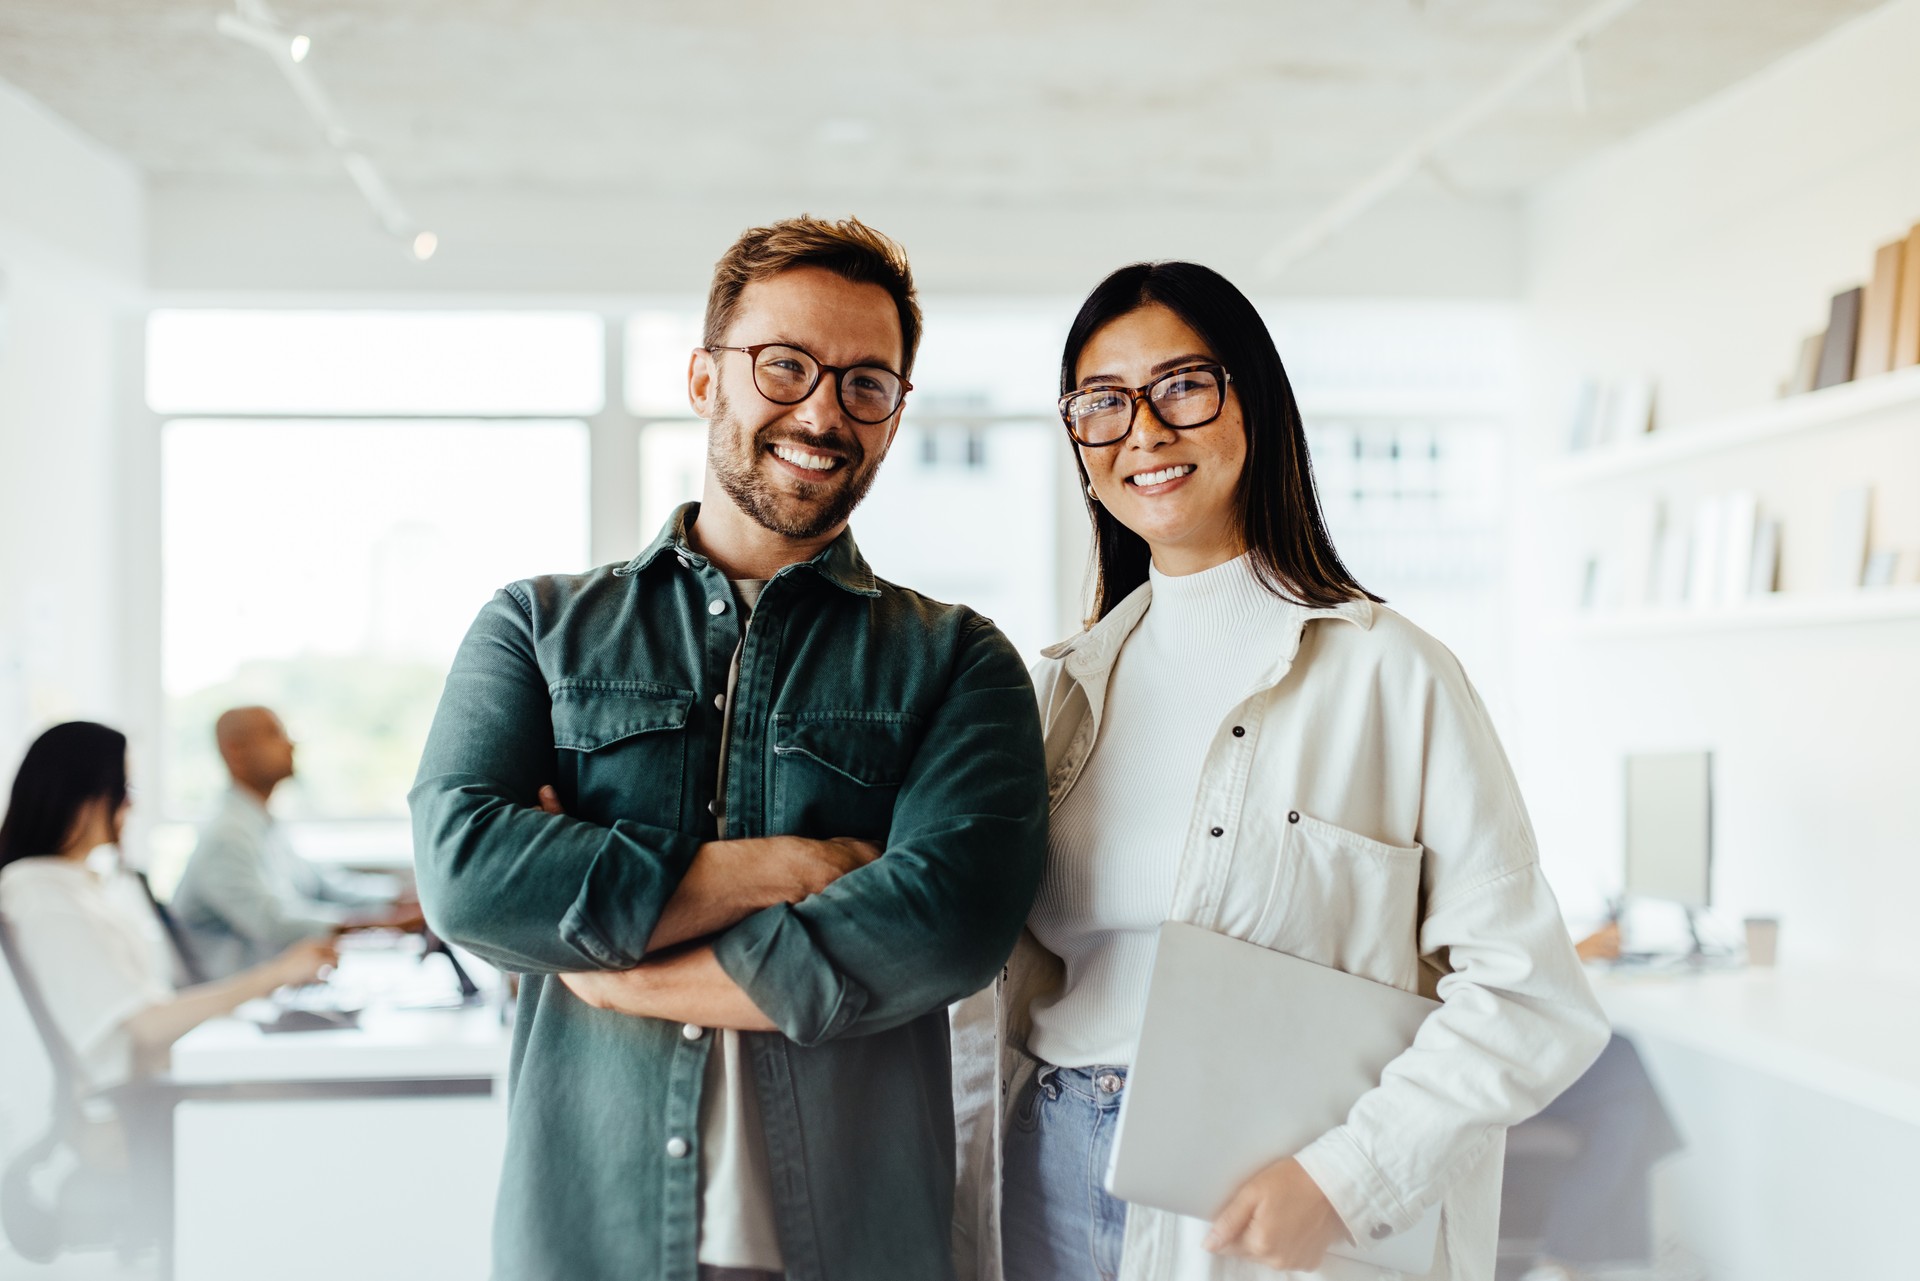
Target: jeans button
[{"x": 1109, "y": 1083}]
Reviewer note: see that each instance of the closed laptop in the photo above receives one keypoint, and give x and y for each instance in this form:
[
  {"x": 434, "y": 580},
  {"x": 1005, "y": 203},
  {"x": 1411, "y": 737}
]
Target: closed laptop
[{"x": 1246, "y": 1056}]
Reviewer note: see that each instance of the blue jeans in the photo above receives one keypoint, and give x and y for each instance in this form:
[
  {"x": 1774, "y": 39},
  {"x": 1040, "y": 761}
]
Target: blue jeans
[{"x": 1057, "y": 1222}]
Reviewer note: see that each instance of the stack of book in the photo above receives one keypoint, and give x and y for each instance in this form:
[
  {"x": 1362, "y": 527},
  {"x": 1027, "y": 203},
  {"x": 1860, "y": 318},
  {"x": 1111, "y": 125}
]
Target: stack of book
[{"x": 1872, "y": 329}]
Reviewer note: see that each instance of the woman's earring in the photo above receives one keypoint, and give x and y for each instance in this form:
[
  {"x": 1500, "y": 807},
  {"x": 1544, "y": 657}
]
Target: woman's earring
[{"x": 1090, "y": 494}]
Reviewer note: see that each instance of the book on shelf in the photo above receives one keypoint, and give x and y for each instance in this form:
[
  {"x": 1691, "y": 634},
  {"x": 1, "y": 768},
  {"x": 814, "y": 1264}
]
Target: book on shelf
[
  {"x": 1766, "y": 558},
  {"x": 1703, "y": 565},
  {"x": 1632, "y": 408},
  {"x": 1843, "y": 336},
  {"x": 1807, "y": 372},
  {"x": 1581, "y": 421},
  {"x": 1739, "y": 521},
  {"x": 1906, "y": 326},
  {"x": 1671, "y": 559},
  {"x": 1847, "y": 552},
  {"x": 1639, "y": 557},
  {"x": 1879, "y": 310}
]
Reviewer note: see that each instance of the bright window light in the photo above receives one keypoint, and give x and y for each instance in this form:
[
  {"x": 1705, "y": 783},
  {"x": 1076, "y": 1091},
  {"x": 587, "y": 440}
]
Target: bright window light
[
  {"x": 340, "y": 362},
  {"x": 329, "y": 570}
]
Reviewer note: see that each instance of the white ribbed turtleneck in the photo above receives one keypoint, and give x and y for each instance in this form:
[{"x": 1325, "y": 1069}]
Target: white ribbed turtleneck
[{"x": 1114, "y": 845}]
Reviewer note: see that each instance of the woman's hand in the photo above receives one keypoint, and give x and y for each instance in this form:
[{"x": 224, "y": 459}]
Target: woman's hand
[
  {"x": 1279, "y": 1218},
  {"x": 307, "y": 961}
]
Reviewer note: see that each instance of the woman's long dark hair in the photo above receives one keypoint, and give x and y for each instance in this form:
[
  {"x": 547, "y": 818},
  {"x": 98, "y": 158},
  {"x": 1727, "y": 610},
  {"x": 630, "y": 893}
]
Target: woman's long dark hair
[
  {"x": 1279, "y": 510},
  {"x": 66, "y": 768}
]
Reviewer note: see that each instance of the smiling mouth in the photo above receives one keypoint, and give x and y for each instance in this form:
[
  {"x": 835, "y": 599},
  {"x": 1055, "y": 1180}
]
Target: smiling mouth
[
  {"x": 1148, "y": 479},
  {"x": 806, "y": 459}
]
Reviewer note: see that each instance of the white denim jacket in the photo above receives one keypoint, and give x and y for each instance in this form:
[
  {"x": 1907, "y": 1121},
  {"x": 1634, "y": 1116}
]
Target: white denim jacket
[{"x": 1366, "y": 819}]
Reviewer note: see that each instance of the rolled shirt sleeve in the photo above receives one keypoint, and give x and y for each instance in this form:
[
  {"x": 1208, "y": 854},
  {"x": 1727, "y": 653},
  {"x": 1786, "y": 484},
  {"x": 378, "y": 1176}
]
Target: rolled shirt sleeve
[
  {"x": 1518, "y": 1022},
  {"x": 934, "y": 918},
  {"x": 529, "y": 891}
]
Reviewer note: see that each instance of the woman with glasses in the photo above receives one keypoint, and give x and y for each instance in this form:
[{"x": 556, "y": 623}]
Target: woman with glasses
[
  {"x": 1244, "y": 739},
  {"x": 88, "y": 937}
]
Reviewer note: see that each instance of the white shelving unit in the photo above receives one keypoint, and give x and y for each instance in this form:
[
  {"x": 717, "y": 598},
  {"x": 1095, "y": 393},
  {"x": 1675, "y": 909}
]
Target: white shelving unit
[
  {"x": 1867, "y": 605},
  {"x": 1828, "y": 409}
]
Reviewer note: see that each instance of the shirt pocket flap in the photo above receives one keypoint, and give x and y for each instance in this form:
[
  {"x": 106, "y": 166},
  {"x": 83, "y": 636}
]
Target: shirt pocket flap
[
  {"x": 872, "y": 749},
  {"x": 590, "y": 715}
]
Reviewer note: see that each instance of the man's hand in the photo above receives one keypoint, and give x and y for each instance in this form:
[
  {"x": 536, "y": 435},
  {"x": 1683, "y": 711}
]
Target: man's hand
[
  {"x": 814, "y": 865},
  {"x": 1278, "y": 1218},
  {"x": 687, "y": 987},
  {"x": 729, "y": 881}
]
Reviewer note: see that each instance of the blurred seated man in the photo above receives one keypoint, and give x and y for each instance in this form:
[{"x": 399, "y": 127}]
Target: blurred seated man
[{"x": 246, "y": 894}]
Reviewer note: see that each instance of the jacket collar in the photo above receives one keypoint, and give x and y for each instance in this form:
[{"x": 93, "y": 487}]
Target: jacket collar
[
  {"x": 840, "y": 563},
  {"x": 1093, "y": 651}
]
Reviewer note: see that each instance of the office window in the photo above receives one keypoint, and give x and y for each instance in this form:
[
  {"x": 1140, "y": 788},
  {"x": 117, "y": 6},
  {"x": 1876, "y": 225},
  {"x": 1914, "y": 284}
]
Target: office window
[
  {"x": 374, "y": 362},
  {"x": 324, "y": 552}
]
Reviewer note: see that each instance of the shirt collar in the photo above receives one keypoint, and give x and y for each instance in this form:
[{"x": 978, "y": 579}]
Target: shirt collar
[{"x": 840, "y": 563}]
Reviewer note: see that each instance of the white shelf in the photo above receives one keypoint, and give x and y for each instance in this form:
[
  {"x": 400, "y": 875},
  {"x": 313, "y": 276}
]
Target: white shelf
[
  {"x": 1868, "y": 605},
  {"x": 1813, "y": 411}
]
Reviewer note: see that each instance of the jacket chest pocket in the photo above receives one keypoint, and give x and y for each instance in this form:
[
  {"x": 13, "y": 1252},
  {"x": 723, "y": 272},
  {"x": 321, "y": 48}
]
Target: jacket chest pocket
[
  {"x": 838, "y": 773},
  {"x": 621, "y": 749},
  {"x": 1328, "y": 895}
]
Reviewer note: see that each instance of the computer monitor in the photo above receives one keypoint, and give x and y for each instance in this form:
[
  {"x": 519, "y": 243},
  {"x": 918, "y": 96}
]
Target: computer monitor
[{"x": 1670, "y": 828}]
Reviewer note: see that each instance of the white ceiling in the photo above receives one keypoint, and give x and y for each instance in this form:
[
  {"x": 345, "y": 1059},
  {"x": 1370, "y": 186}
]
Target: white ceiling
[{"x": 1086, "y": 105}]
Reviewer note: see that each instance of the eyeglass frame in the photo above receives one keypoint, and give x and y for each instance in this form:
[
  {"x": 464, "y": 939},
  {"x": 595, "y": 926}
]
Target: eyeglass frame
[
  {"x": 839, "y": 373},
  {"x": 1135, "y": 395}
]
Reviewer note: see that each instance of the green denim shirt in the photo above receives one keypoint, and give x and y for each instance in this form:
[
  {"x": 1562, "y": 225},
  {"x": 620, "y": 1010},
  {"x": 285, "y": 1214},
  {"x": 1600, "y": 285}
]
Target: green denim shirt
[{"x": 861, "y": 709}]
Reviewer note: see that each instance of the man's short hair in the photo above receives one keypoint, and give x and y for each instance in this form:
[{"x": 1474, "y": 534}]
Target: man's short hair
[{"x": 848, "y": 248}]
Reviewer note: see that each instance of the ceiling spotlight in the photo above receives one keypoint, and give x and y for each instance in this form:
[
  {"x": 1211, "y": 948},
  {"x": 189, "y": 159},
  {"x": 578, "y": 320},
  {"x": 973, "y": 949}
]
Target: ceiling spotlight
[
  {"x": 424, "y": 244},
  {"x": 298, "y": 49}
]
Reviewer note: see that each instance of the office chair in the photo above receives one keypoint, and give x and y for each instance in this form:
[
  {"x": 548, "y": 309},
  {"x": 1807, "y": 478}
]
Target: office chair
[
  {"x": 132, "y": 1209},
  {"x": 183, "y": 953}
]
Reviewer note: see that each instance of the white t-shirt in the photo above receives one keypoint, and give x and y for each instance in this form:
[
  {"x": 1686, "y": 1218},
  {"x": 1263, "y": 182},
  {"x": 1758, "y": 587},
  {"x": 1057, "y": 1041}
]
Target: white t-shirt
[{"x": 95, "y": 948}]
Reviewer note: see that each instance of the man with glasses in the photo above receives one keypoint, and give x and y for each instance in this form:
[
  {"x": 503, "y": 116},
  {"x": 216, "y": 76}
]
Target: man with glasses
[{"x": 748, "y": 818}]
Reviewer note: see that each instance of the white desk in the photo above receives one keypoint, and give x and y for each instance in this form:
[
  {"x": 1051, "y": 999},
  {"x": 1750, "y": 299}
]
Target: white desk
[
  {"x": 1798, "y": 1097},
  {"x": 377, "y": 1188},
  {"x": 1853, "y": 1039},
  {"x": 389, "y": 1044}
]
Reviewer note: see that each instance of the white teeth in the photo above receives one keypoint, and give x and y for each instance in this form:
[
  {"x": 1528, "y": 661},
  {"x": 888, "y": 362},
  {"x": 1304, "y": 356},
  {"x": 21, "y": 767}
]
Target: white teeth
[
  {"x": 801, "y": 458},
  {"x": 1162, "y": 476}
]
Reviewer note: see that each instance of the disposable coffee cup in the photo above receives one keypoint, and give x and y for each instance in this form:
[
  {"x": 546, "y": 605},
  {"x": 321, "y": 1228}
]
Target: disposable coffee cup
[{"x": 1763, "y": 939}]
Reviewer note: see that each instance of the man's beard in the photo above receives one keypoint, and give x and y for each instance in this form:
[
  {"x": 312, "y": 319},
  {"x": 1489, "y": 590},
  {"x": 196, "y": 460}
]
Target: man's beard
[{"x": 740, "y": 469}]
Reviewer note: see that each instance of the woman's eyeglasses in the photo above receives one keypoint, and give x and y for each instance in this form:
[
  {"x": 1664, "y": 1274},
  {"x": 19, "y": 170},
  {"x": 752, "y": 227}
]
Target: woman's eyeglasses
[{"x": 1192, "y": 396}]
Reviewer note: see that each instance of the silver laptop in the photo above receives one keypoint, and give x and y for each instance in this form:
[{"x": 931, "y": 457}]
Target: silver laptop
[{"x": 1247, "y": 1056}]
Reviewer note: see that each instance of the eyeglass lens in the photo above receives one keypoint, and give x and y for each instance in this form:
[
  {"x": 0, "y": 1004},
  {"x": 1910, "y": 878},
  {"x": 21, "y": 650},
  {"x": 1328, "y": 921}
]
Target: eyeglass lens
[
  {"x": 788, "y": 375},
  {"x": 1183, "y": 398}
]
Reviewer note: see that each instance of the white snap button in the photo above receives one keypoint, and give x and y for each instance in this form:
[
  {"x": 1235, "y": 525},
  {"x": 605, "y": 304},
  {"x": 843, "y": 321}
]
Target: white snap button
[
  {"x": 677, "y": 1146},
  {"x": 717, "y": 608},
  {"x": 720, "y": 702},
  {"x": 693, "y": 1031}
]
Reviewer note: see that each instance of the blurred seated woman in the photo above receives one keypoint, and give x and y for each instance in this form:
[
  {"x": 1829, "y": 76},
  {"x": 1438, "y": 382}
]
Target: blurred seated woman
[{"x": 88, "y": 937}]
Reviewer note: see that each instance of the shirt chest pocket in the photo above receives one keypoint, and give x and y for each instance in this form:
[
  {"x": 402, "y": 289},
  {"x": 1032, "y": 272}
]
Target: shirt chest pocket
[
  {"x": 621, "y": 748},
  {"x": 1328, "y": 895},
  {"x": 838, "y": 773}
]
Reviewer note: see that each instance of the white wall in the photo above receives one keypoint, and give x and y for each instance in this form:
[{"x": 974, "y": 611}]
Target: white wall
[
  {"x": 72, "y": 235},
  {"x": 1702, "y": 253}
]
